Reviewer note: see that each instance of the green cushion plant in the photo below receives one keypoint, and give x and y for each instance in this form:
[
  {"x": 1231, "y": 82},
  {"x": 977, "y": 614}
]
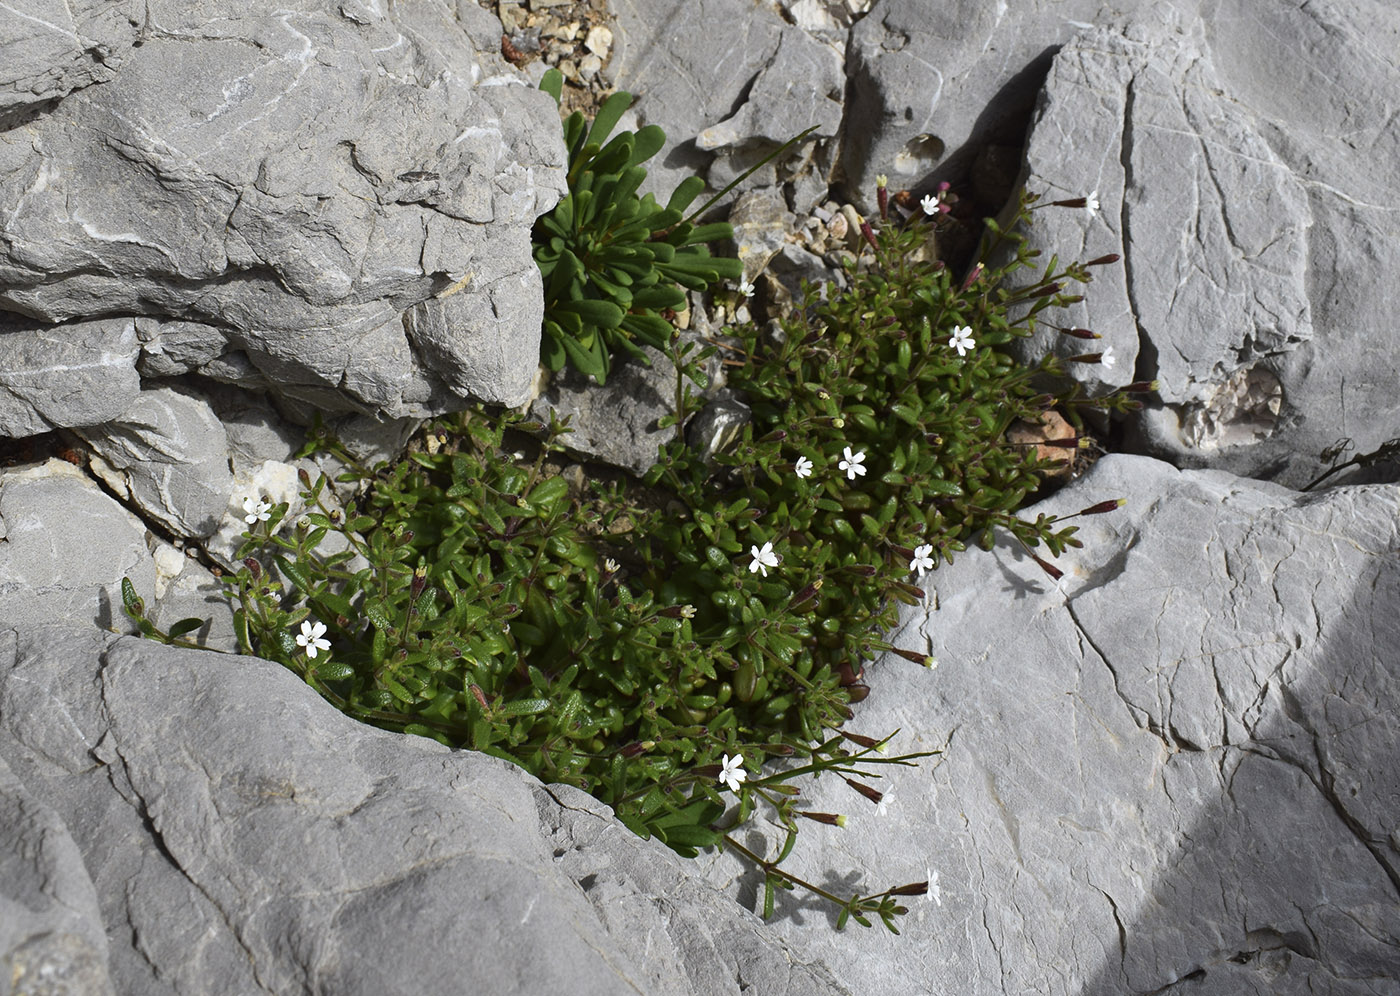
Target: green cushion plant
[{"x": 658, "y": 643}]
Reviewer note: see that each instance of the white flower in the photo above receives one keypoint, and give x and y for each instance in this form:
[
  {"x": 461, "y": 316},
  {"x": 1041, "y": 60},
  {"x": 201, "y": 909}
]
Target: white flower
[
  {"x": 610, "y": 566},
  {"x": 882, "y": 808},
  {"x": 1091, "y": 203},
  {"x": 258, "y": 511},
  {"x": 733, "y": 773},
  {"x": 745, "y": 288},
  {"x": 933, "y": 889},
  {"x": 852, "y": 464},
  {"x": 882, "y": 180},
  {"x": 929, "y": 204},
  {"x": 312, "y": 638},
  {"x": 1107, "y": 357},
  {"x": 762, "y": 559},
  {"x": 962, "y": 340},
  {"x": 922, "y": 561},
  {"x": 803, "y": 468}
]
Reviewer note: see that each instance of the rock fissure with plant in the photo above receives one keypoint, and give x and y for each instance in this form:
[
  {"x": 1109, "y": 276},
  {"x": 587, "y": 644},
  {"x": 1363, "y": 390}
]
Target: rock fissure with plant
[{"x": 659, "y": 643}]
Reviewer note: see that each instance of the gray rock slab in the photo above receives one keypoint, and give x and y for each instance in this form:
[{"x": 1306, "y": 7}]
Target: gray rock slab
[
  {"x": 1173, "y": 771},
  {"x": 51, "y": 935},
  {"x": 169, "y": 452},
  {"x": 56, "y": 377},
  {"x": 303, "y": 851},
  {"x": 292, "y": 179},
  {"x": 722, "y": 75},
  {"x": 1257, "y": 283},
  {"x": 65, "y": 546},
  {"x": 928, "y": 80},
  {"x": 49, "y": 48}
]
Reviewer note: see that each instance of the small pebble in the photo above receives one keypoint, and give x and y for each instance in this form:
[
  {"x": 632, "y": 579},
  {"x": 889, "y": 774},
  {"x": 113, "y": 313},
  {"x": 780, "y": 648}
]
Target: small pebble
[
  {"x": 589, "y": 66},
  {"x": 599, "y": 41}
]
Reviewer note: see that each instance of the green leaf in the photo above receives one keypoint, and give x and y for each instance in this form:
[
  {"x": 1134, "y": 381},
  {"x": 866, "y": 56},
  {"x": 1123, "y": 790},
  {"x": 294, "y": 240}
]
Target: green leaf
[
  {"x": 552, "y": 83},
  {"x": 608, "y": 116},
  {"x": 185, "y": 626}
]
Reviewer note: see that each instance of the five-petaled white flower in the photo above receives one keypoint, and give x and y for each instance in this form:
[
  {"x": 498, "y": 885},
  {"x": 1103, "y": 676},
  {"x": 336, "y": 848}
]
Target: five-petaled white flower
[
  {"x": 962, "y": 340},
  {"x": 312, "y": 638},
  {"x": 803, "y": 467},
  {"x": 852, "y": 464},
  {"x": 1107, "y": 358},
  {"x": 929, "y": 204},
  {"x": 745, "y": 288},
  {"x": 922, "y": 561},
  {"x": 733, "y": 774},
  {"x": 258, "y": 511},
  {"x": 762, "y": 559},
  {"x": 1091, "y": 203}
]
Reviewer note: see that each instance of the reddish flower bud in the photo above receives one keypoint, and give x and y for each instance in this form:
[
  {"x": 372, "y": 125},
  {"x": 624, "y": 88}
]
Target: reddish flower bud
[
  {"x": 882, "y": 197},
  {"x": 1080, "y": 333},
  {"x": 910, "y": 655},
  {"x": 857, "y": 693},
  {"x": 1112, "y": 257},
  {"x": 869, "y": 234},
  {"x": 865, "y": 790},
  {"x": 304, "y": 477},
  {"x": 972, "y": 276},
  {"x": 479, "y": 695},
  {"x": 1073, "y": 202},
  {"x": 1086, "y": 358},
  {"x": 830, "y": 819},
  {"x": 254, "y": 568},
  {"x": 1104, "y": 506},
  {"x": 870, "y": 743},
  {"x": 912, "y": 889},
  {"x": 849, "y": 675},
  {"x": 1048, "y": 568},
  {"x": 1142, "y": 387}
]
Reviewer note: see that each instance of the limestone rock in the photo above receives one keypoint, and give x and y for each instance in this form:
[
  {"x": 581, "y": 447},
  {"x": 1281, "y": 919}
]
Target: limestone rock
[
  {"x": 64, "y": 548},
  {"x": 289, "y": 181},
  {"x": 48, "y": 50},
  {"x": 306, "y": 852},
  {"x": 1178, "y": 763},
  {"x": 1217, "y": 220},
  {"x": 170, "y": 452},
  {"x": 75, "y": 374}
]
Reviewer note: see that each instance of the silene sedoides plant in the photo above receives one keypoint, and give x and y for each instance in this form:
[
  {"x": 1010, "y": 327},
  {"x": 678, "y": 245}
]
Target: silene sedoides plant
[{"x": 662, "y": 644}]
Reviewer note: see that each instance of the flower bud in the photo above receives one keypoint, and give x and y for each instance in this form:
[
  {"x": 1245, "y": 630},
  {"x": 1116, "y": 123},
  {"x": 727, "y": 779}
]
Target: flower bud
[
  {"x": 830, "y": 819},
  {"x": 857, "y": 693},
  {"x": 1080, "y": 333},
  {"x": 1048, "y": 568},
  {"x": 636, "y": 747},
  {"x": 917, "y": 658},
  {"x": 1073, "y": 202},
  {"x": 254, "y": 568},
  {"x": 479, "y": 695},
  {"x": 1104, "y": 506},
  {"x": 1142, "y": 387},
  {"x": 1086, "y": 358},
  {"x": 869, "y": 234},
  {"x": 1112, "y": 257},
  {"x": 972, "y": 277},
  {"x": 304, "y": 477},
  {"x": 869, "y": 743},
  {"x": 420, "y": 580},
  {"x": 912, "y": 889},
  {"x": 882, "y": 196},
  {"x": 872, "y": 794}
]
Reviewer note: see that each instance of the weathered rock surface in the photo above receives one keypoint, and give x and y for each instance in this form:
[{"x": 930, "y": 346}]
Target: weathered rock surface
[
  {"x": 306, "y": 852},
  {"x": 1175, "y": 770},
  {"x": 65, "y": 546},
  {"x": 169, "y": 453},
  {"x": 75, "y": 374},
  {"x": 1256, "y": 217},
  {"x": 726, "y": 76},
  {"x": 282, "y": 184},
  {"x": 49, "y": 49}
]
